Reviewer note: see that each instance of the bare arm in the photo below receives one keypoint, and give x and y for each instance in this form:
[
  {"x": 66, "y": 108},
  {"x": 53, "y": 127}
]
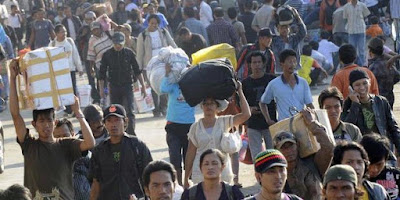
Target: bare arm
[
  {"x": 19, "y": 123},
  {"x": 255, "y": 28},
  {"x": 190, "y": 156},
  {"x": 88, "y": 139},
  {"x": 244, "y": 106},
  {"x": 324, "y": 156},
  {"x": 265, "y": 112},
  {"x": 101, "y": 88},
  {"x": 95, "y": 190},
  {"x": 243, "y": 38},
  {"x": 310, "y": 105}
]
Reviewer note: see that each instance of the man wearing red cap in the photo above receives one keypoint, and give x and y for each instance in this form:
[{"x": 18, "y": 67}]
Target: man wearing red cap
[{"x": 118, "y": 162}]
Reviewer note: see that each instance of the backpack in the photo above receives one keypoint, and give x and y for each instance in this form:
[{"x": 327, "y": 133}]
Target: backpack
[
  {"x": 228, "y": 190},
  {"x": 329, "y": 12}
]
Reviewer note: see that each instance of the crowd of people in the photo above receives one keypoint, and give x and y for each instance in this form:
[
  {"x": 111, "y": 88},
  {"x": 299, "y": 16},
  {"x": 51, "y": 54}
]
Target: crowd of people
[{"x": 280, "y": 59}]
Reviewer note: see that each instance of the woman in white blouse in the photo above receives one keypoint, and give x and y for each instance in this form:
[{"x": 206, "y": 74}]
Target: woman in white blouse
[{"x": 207, "y": 134}]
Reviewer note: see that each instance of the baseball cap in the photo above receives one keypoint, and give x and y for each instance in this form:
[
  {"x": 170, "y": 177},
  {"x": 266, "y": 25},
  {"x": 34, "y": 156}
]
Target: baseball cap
[
  {"x": 268, "y": 159},
  {"x": 340, "y": 172},
  {"x": 283, "y": 137},
  {"x": 118, "y": 38},
  {"x": 115, "y": 110},
  {"x": 95, "y": 25},
  {"x": 90, "y": 15},
  {"x": 265, "y": 32},
  {"x": 93, "y": 113}
]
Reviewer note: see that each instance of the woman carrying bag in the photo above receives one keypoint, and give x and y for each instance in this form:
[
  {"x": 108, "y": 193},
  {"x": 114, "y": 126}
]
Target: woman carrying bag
[{"x": 208, "y": 132}]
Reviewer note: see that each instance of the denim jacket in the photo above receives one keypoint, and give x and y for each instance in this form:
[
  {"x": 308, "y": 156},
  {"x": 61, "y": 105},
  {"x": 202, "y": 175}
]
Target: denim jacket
[
  {"x": 384, "y": 118},
  {"x": 375, "y": 191}
]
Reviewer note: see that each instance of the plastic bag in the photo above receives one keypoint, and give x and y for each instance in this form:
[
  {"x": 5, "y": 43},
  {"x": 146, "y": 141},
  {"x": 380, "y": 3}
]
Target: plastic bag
[
  {"x": 231, "y": 142},
  {"x": 223, "y": 50}
]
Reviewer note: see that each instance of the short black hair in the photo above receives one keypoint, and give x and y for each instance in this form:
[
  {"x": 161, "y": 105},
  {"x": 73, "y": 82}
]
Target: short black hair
[
  {"x": 13, "y": 6},
  {"x": 344, "y": 146},
  {"x": 153, "y": 16},
  {"x": 65, "y": 7},
  {"x": 232, "y": 13},
  {"x": 255, "y": 54},
  {"x": 183, "y": 31},
  {"x": 374, "y": 19},
  {"x": 307, "y": 50},
  {"x": 189, "y": 12},
  {"x": 218, "y": 12},
  {"x": 65, "y": 121},
  {"x": 314, "y": 45},
  {"x": 58, "y": 28},
  {"x": 248, "y": 4},
  {"x": 45, "y": 112},
  {"x": 134, "y": 15},
  {"x": 285, "y": 54},
  {"x": 325, "y": 35},
  {"x": 377, "y": 147},
  {"x": 330, "y": 92},
  {"x": 14, "y": 192},
  {"x": 343, "y": 2},
  {"x": 217, "y": 152},
  {"x": 155, "y": 166},
  {"x": 347, "y": 53}
]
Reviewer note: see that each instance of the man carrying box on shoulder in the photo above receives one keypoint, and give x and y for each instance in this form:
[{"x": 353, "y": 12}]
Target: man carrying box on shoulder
[{"x": 48, "y": 161}]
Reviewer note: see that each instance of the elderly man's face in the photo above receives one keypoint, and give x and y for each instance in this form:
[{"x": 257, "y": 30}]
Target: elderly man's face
[{"x": 339, "y": 190}]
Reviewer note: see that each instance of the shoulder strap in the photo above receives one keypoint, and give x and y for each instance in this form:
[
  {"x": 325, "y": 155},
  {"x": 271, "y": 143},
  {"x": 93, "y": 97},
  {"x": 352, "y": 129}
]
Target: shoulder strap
[
  {"x": 228, "y": 190},
  {"x": 192, "y": 192}
]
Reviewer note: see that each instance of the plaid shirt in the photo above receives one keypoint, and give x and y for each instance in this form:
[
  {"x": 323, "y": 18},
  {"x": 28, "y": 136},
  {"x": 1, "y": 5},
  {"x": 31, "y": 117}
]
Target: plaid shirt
[
  {"x": 355, "y": 17},
  {"x": 221, "y": 31},
  {"x": 278, "y": 45}
]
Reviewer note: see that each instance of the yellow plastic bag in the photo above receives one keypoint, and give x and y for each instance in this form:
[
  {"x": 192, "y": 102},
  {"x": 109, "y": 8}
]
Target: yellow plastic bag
[{"x": 223, "y": 50}]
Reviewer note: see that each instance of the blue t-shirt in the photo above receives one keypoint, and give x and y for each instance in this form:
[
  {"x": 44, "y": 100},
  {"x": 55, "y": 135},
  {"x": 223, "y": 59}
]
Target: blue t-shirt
[
  {"x": 285, "y": 96},
  {"x": 178, "y": 110}
]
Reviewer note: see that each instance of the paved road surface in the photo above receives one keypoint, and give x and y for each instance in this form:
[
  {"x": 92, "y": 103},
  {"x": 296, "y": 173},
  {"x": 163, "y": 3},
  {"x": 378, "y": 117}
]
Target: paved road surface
[{"x": 149, "y": 129}]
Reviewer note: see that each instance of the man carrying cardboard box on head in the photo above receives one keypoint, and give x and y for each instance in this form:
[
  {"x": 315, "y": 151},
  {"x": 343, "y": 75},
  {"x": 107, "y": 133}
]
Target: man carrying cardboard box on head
[{"x": 48, "y": 161}]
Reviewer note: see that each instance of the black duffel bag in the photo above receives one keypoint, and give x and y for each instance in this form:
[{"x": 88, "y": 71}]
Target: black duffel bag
[{"x": 213, "y": 78}]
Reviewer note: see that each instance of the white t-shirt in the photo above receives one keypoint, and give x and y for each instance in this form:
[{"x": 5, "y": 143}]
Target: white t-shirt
[
  {"x": 13, "y": 21},
  {"x": 156, "y": 43}
]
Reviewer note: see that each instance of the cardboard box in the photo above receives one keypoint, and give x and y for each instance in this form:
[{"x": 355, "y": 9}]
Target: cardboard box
[{"x": 45, "y": 80}]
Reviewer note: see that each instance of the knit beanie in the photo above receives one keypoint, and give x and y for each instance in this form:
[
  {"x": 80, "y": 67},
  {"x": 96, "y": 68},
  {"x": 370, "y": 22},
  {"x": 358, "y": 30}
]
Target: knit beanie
[{"x": 356, "y": 75}]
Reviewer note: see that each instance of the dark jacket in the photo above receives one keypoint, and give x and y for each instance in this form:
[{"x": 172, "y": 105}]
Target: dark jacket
[
  {"x": 375, "y": 191},
  {"x": 384, "y": 118},
  {"x": 118, "y": 180},
  {"x": 77, "y": 25},
  {"x": 121, "y": 67}
]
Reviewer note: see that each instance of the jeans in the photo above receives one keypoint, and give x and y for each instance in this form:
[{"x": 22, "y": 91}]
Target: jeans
[
  {"x": 4, "y": 92},
  {"x": 178, "y": 142},
  {"x": 358, "y": 41},
  {"x": 123, "y": 95},
  {"x": 255, "y": 140},
  {"x": 94, "y": 93}
]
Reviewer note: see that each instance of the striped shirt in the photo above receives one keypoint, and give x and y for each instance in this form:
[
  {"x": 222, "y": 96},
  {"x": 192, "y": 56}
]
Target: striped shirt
[
  {"x": 355, "y": 17},
  {"x": 97, "y": 47},
  {"x": 221, "y": 31}
]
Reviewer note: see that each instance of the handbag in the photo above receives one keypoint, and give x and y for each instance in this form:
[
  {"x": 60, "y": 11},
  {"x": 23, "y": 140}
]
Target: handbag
[{"x": 231, "y": 142}]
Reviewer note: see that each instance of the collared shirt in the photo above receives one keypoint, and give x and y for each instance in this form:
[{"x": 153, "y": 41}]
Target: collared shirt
[
  {"x": 121, "y": 177},
  {"x": 286, "y": 97},
  {"x": 347, "y": 131},
  {"x": 206, "y": 16},
  {"x": 263, "y": 16},
  {"x": 221, "y": 31},
  {"x": 97, "y": 47},
  {"x": 326, "y": 48},
  {"x": 355, "y": 17}
]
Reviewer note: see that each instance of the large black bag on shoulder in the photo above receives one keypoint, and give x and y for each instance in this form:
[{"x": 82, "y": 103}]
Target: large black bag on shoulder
[{"x": 212, "y": 78}]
